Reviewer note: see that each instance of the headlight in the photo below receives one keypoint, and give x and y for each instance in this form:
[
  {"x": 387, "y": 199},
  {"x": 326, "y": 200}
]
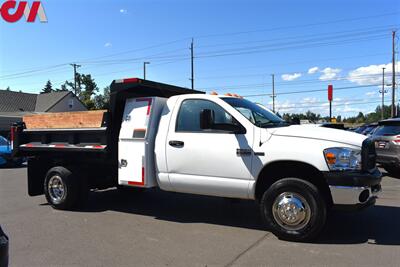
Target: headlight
[{"x": 343, "y": 158}]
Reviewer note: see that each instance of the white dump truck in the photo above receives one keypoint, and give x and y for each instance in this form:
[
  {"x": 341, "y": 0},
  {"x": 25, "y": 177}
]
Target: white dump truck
[{"x": 158, "y": 135}]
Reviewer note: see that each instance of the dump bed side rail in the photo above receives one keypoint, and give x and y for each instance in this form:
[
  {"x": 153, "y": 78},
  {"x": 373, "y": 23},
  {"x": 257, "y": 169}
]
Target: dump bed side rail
[{"x": 26, "y": 142}]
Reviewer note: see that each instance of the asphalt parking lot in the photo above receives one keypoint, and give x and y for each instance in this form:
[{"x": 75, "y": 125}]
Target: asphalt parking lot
[{"x": 155, "y": 228}]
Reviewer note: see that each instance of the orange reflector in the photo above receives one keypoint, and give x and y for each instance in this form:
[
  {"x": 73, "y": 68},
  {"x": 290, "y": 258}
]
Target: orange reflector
[
  {"x": 213, "y": 93},
  {"x": 330, "y": 158},
  {"x": 228, "y": 94}
]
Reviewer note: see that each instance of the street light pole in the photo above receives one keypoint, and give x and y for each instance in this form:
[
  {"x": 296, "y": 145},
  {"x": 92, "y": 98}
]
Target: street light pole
[{"x": 144, "y": 69}]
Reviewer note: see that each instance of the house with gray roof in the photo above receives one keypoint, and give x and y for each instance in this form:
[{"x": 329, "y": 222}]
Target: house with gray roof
[{"x": 14, "y": 105}]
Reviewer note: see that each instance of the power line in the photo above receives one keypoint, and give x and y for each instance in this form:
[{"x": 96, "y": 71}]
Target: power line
[
  {"x": 299, "y": 26},
  {"x": 298, "y": 39},
  {"x": 342, "y": 33},
  {"x": 163, "y": 56},
  {"x": 334, "y": 105},
  {"x": 141, "y": 49},
  {"x": 291, "y": 83},
  {"x": 313, "y": 91},
  {"x": 289, "y": 47}
]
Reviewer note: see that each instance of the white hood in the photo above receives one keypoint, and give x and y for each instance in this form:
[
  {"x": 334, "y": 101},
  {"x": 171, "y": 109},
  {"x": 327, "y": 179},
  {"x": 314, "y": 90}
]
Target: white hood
[{"x": 320, "y": 133}]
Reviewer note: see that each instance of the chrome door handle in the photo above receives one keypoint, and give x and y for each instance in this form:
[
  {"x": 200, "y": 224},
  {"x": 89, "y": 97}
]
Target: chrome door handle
[
  {"x": 176, "y": 143},
  {"x": 243, "y": 152}
]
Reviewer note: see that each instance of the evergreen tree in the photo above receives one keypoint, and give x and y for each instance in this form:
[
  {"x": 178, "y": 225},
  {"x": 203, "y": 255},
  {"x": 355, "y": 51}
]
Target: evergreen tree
[
  {"x": 48, "y": 88},
  {"x": 102, "y": 101},
  {"x": 87, "y": 93}
]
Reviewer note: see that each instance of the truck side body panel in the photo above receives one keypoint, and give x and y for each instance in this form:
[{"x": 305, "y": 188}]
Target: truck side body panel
[{"x": 136, "y": 141}]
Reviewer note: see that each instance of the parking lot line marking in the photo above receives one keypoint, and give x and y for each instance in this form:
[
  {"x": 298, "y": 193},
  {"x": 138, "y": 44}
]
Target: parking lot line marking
[{"x": 248, "y": 249}]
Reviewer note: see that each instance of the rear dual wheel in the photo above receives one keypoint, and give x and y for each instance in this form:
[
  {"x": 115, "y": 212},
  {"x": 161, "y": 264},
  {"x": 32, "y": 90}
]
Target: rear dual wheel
[
  {"x": 65, "y": 189},
  {"x": 293, "y": 209}
]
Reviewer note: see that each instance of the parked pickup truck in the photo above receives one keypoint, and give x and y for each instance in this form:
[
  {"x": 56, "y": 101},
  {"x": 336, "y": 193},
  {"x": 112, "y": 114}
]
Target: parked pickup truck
[{"x": 158, "y": 135}]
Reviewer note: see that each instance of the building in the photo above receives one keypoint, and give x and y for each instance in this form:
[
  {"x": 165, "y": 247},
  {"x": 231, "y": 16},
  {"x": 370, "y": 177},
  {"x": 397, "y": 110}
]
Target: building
[{"x": 14, "y": 105}]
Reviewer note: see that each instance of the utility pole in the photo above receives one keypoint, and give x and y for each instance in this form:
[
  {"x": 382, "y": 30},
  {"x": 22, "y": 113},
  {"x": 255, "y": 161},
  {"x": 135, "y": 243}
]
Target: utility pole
[
  {"x": 144, "y": 69},
  {"x": 75, "y": 66},
  {"x": 192, "y": 63},
  {"x": 273, "y": 93},
  {"x": 383, "y": 91},
  {"x": 393, "y": 76}
]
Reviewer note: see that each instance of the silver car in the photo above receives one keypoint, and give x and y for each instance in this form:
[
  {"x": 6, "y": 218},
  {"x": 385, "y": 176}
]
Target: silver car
[{"x": 387, "y": 144}]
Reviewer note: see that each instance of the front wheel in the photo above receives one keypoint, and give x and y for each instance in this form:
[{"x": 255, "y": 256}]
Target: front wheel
[{"x": 293, "y": 209}]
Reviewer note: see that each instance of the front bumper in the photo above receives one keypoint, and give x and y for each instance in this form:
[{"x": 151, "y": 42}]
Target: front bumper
[
  {"x": 388, "y": 159},
  {"x": 354, "y": 189}
]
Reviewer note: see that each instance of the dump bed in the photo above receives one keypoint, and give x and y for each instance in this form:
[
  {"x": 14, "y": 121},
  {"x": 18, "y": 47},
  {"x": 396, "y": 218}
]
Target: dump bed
[{"x": 92, "y": 133}]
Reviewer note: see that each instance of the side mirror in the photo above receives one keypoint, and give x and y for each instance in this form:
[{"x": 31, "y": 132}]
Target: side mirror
[{"x": 206, "y": 119}]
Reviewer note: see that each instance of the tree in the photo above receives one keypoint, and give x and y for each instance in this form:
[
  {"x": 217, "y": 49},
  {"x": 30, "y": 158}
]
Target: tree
[
  {"x": 102, "y": 101},
  {"x": 88, "y": 91},
  {"x": 8, "y": 88},
  {"x": 48, "y": 88}
]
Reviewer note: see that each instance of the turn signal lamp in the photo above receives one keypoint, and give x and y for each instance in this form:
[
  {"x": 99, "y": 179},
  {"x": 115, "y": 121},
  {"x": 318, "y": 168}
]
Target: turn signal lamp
[{"x": 330, "y": 158}]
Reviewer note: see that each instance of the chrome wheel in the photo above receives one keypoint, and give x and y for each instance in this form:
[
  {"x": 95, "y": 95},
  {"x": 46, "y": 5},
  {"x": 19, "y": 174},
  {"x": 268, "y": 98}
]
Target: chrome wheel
[
  {"x": 57, "y": 189},
  {"x": 291, "y": 211}
]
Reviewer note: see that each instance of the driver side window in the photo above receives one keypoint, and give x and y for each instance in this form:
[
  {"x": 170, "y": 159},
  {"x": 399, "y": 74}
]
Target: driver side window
[{"x": 189, "y": 115}]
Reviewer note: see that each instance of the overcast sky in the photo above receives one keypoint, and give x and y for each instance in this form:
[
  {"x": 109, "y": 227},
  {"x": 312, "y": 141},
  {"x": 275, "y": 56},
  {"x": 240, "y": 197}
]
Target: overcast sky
[{"x": 238, "y": 45}]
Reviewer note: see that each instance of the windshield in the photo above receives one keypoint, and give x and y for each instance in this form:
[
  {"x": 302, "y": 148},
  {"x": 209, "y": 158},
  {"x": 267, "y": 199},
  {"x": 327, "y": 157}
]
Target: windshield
[
  {"x": 3, "y": 141},
  {"x": 388, "y": 130},
  {"x": 257, "y": 115}
]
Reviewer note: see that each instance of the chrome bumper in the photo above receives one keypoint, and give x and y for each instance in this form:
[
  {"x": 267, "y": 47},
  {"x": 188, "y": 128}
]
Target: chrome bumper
[{"x": 354, "y": 195}]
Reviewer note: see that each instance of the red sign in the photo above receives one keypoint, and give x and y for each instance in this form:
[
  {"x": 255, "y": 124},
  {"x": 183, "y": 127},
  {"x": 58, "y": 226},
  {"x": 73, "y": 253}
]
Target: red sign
[
  {"x": 330, "y": 92},
  {"x": 12, "y": 11}
]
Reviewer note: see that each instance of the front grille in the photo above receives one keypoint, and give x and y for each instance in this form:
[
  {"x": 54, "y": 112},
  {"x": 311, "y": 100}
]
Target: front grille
[{"x": 368, "y": 155}]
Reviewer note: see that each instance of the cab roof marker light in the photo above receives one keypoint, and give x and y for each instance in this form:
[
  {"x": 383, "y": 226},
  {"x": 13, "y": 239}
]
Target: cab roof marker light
[
  {"x": 213, "y": 93},
  {"x": 131, "y": 80},
  {"x": 127, "y": 80},
  {"x": 228, "y": 94}
]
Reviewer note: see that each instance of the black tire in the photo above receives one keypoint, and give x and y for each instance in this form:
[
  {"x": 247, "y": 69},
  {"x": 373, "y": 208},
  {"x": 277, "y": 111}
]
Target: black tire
[
  {"x": 392, "y": 170},
  {"x": 4, "y": 247},
  {"x": 75, "y": 189},
  {"x": 309, "y": 193}
]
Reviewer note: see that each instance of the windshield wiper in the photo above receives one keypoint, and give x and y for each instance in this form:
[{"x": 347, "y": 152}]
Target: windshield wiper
[{"x": 273, "y": 123}]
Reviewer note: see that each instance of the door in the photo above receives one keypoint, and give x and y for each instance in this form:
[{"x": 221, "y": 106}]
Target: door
[{"x": 209, "y": 162}]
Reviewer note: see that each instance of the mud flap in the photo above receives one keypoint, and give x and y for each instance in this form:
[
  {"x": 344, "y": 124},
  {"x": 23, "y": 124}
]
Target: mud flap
[{"x": 36, "y": 173}]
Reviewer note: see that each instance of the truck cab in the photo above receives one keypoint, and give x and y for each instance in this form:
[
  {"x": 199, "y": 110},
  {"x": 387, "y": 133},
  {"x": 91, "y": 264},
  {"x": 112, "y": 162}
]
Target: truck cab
[{"x": 214, "y": 145}]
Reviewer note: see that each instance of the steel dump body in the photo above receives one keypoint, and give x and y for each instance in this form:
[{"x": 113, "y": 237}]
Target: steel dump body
[
  {"x": 104, "y": 140},
  {"x": 93, "y": 149}
]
